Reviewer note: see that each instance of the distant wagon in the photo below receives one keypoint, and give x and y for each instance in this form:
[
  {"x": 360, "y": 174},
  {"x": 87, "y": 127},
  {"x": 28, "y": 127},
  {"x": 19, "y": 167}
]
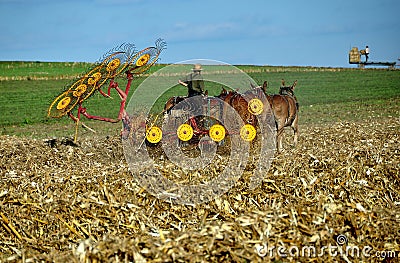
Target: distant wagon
[{"x": 355, "y": 58}]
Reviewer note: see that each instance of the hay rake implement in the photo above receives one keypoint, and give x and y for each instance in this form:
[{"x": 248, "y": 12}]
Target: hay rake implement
[{"x": 123, "y": 59}]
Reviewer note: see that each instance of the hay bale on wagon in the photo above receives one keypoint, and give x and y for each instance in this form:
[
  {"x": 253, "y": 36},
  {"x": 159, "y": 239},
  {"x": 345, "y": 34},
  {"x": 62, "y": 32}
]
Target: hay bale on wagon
[{"x": 354, "y": 56}]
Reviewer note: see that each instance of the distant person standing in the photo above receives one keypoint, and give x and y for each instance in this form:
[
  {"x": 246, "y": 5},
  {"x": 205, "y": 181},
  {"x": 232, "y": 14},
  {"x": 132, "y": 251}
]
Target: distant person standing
[{"x": 366, "y": 53}]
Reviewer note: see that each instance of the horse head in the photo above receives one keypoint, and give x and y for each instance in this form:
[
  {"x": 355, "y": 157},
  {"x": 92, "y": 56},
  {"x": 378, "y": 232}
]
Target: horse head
[
  {"x": 225, "y": 94},
  {"x": 171, "y": 102},
  {"x": 287, "y": 90},
  {"x": 262, "y": 88}
]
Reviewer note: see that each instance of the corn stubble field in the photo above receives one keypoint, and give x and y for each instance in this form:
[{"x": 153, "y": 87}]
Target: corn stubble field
[{"x": 65, "y": 203}]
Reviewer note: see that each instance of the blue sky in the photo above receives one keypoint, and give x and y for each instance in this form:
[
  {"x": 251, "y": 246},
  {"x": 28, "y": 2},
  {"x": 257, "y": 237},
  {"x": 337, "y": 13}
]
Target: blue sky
[{"x": 261, "y": 32}]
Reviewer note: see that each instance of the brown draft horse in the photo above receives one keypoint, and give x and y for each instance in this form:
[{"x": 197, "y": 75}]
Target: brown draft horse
[
  {"x": 239, "y": 103},
  {"x": 285, "y": 109}
]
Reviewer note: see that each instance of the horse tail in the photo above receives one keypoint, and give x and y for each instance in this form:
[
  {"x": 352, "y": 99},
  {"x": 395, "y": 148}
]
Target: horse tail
[
  {"x": 291, "y": 117},
  {"x": 288, "y": 119}
]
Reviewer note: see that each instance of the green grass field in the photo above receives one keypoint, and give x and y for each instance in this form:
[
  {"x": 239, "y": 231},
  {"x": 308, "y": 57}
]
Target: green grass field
[{"x": 326, "y": 95}]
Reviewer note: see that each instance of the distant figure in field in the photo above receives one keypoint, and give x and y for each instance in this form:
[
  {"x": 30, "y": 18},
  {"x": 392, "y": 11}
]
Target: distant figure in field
[{"x": 366, "y": 53}]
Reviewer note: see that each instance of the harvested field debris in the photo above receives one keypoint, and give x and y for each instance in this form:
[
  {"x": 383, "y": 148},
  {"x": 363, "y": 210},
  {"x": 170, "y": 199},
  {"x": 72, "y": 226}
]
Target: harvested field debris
[{"x": 340, "y": 188}]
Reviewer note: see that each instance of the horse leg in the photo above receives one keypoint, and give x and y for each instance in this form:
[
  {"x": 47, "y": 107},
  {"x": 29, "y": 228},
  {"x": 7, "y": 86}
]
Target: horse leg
[
  {"x": 295, "y": 127},
  {"x": 279, "y": 139},
  {"x": 280, "y": 126},
  {"x": 293, "y": 118}
]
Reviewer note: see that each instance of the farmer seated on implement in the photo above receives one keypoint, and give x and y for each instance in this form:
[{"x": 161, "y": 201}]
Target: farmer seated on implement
[{"x": 194, "y": 82}]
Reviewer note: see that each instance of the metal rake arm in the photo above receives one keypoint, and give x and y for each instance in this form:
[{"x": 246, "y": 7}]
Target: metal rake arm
[{"x": 122, "y": 94}]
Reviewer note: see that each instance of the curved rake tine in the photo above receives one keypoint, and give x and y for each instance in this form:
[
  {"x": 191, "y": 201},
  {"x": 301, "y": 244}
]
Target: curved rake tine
[
  {"x": 87, "y": 127},
  {"x": 77, "y": 121}
]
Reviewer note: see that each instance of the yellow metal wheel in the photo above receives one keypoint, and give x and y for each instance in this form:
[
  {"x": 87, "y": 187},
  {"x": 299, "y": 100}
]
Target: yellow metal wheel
[
  {"x": 80, "y": 90},
  {"x": 217, "y": 132},
  {"x": 185, "y": 132},
  {"x": 113, "y": 64},
  {"x": 143, "y": 60},
  {"x": 146, "y": 58},
  {"x": 255, "y": 106},
  {"x": 154, "y": 134},
  {"x": 62, "y": 105},
  {"x": 248, "y": 132}
]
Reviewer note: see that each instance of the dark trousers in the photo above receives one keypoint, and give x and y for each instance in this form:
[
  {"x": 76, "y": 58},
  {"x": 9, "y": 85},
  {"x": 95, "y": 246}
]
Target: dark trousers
[{"x": 193, "y": 93}]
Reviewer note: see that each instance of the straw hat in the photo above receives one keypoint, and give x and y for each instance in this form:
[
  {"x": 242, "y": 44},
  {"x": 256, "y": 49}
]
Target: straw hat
[{"x": 197, "y": 67}]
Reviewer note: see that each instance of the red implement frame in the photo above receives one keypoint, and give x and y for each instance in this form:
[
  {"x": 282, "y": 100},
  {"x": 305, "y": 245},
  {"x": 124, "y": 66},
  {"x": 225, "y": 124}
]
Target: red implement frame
[{"x": 123, "y": 96}]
